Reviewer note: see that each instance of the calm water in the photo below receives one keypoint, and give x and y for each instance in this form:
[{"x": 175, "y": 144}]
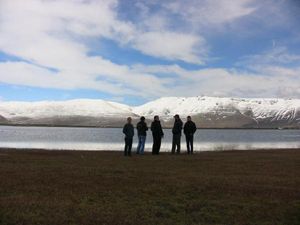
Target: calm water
[{"x": 112, "y": 139}]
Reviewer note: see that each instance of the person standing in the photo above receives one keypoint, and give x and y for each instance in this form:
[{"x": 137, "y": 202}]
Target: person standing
[
  {"x": 128, "y": 130},
  {"x": 142, "y": 133},
  {"x": 189, "y": 131},
  {"x": 176, "y": 134},
  {"x": 157, "y": 134}
]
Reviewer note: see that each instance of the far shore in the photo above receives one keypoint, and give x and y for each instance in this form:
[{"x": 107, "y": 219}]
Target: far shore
[{"x": 119, "y": 127}]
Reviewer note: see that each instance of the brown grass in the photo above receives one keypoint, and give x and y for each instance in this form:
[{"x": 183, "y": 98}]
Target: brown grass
[{"x": 76, "y": 187}]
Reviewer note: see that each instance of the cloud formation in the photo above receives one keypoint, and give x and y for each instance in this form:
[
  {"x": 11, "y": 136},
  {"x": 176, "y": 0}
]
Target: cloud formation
[{"x": 52, "y": 41}]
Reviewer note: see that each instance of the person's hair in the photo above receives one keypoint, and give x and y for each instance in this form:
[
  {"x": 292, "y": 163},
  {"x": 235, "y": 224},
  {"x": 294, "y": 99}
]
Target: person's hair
[
  {"x": 155, "y": 117},
  {"x": 189, "y": 117},
  {"x": 176, "y": 116},
  {"x": 129, "y": 118},
  {"x": 142, "y": 118}
]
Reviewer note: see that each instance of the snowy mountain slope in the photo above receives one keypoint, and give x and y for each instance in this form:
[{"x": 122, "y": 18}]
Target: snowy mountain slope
[
  {"x": 258, "y": 108},
  {"x": 227, "y": 112},
  {"x": 81, "y": 107},
  {"x": 209, "y": 112}
]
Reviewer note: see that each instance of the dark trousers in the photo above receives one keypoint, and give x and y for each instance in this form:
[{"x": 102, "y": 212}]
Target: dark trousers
[
  {"x": 176, "y": 143},
  {"x": 189, "y": 143},
  {"x": 128, "y": 146},
  {"x": 156, "y": 145}
]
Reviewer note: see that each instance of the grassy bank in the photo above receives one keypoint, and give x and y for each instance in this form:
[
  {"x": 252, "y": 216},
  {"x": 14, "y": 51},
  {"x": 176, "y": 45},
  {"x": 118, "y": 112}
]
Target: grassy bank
[{"x": 68, "y": 187}]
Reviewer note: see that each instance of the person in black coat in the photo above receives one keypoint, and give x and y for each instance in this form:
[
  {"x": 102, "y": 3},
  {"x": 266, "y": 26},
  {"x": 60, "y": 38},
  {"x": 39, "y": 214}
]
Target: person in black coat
[
  {"x": 176, "y": 134},
  {"x": 128, "y": 130},
  {"x": 157, "y": 134},
  {"x": 189, "y": 131},
  {"x": 142, "y": 133}
]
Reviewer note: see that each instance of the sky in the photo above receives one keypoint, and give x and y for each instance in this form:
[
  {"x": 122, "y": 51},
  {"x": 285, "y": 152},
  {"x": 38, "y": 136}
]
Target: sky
[{"x": 134, "y": 51}]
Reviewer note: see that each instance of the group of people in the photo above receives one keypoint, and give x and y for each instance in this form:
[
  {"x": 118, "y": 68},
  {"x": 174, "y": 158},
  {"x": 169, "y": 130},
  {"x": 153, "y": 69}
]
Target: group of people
[{"x": 189, "y": 129}]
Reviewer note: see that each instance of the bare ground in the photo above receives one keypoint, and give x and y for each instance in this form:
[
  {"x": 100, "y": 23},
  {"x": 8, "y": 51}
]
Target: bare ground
[{"x": 80, "y": 187}]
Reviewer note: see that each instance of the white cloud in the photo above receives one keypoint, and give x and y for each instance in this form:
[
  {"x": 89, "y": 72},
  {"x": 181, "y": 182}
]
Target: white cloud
[
  {"x": 56, "y": 34},
  {"x": 170, "y": 45},
  {"x": 39, "y": 22},
  {"x": 43, "y": 33},
  {"x": 276, "y": 55},
  {"x": 209, "y": 12},
  {"x": 273, "y": 82},
  {"x": 21, "y": 73}
]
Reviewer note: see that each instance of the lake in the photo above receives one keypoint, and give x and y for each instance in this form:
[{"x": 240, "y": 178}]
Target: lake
[{"x": 63, "y": 138}]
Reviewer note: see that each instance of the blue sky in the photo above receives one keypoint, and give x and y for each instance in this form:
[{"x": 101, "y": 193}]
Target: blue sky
[{"x": 134, "y": 51}]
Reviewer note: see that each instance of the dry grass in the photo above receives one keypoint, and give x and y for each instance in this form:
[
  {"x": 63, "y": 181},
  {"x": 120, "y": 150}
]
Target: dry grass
[{"x": 72, "y": 187}]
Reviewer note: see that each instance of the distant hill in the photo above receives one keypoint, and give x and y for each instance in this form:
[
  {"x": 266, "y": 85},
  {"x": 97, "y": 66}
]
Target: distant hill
[{"x": 207, "y": 112}]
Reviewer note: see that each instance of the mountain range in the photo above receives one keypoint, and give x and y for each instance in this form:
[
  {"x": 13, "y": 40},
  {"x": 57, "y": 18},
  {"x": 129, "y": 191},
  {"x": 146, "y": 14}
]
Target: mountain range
[{"x": 207, "y": 112}]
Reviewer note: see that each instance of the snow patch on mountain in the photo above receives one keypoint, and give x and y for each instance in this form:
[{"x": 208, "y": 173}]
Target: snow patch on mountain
[
  {"x": 208, "y": 111},
  {"x": 80, "y": 107},
  {"x": 257, "y": 108}
]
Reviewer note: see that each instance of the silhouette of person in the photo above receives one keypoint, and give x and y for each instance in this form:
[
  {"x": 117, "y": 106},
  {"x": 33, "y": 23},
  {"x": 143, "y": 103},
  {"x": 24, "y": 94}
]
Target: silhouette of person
[
  {"x": 176, "y": 134},
  {"x": 142, "y": 134},
  {"x": 189, "y": 130},
  {"x": 128, "y": 130},
  {"x": 157, "y": 134}
]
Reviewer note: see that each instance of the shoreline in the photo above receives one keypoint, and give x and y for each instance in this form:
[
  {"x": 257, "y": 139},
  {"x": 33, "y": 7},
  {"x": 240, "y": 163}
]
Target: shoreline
[
  {"x": 167, "y": 128},
  {"x": 148, "y": 152}
]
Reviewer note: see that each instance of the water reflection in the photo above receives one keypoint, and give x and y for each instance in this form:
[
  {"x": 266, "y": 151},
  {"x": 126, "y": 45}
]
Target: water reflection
[{"x": 112, "y": 139}]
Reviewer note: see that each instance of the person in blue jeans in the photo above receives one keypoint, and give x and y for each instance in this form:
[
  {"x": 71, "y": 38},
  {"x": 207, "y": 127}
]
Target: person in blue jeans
[{"x": 142, "y": 134}]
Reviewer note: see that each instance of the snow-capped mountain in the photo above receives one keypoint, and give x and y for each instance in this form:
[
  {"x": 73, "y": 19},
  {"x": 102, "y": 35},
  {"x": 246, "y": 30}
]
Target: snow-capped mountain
[
  {"x": 81, "y": 112},
  {"x": 80, "y": 107},
  {"x": 207, "y": 112},
  {"x": 227, "y": 112}
]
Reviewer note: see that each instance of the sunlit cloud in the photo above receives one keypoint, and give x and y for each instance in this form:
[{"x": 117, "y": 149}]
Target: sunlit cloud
[{"x": 169, "y": 45}]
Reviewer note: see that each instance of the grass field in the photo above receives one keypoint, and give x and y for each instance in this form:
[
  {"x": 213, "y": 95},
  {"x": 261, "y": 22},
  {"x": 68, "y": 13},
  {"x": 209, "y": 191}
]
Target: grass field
[{"x": 73, "y": 187}]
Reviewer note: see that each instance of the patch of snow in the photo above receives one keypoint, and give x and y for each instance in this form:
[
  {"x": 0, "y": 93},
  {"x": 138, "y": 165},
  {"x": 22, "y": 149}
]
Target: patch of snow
[
  {"x": 261, "y": 108},
  {"x": 80, "y": 107},
  {"x": 167, "y": 107}
]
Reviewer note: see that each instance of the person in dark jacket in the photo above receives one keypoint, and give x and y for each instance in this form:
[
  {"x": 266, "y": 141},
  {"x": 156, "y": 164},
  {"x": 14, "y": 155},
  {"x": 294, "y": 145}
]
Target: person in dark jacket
[
  {"x": 142, "y": 133},
  {"x": 128, "y": 130},
  {"x": 157, "y": 134},
  {"x": 189, "y": 131},
  {"x": 176, "y": 134}
]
